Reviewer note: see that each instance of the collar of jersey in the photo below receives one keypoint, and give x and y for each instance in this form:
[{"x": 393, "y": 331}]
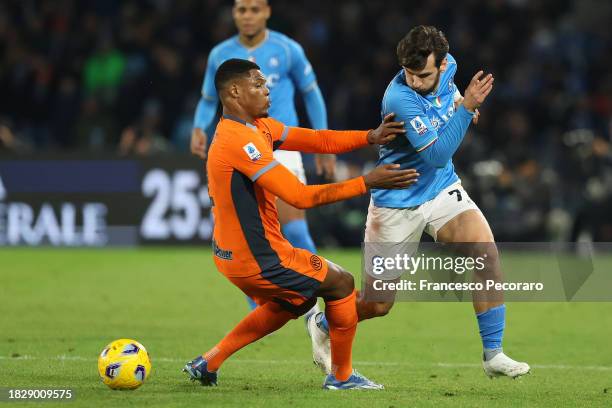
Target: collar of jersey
[
  {"x": 242, "y": 122},
  {"x": 251, "y": 49}
]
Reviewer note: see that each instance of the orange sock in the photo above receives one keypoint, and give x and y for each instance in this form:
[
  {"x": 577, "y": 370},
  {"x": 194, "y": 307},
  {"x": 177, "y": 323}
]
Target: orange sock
[
  {"x": 260, "y": 322},
  {"x": 342, "y": 318}
]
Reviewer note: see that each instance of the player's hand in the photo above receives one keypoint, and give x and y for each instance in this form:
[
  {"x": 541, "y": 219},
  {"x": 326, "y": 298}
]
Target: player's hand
[
  {"x": 387, "y": 131},
  {"x": 198, "y": 143},
  {"x": 325, "y": 165},
  {"x": 459, "y": 101},
  {"x": 477, "y": 91},
  {"x": 389, "y": 176}
]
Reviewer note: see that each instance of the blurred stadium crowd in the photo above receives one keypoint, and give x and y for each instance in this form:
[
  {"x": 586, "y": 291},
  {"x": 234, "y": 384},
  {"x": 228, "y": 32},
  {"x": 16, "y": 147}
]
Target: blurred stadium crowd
[{"x": 125, "y": 75}]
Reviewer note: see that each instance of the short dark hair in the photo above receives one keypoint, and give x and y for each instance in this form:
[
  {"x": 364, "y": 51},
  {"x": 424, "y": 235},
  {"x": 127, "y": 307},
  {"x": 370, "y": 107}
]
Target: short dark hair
[
  {"x": 415, "y": 47},
  {"x": 232, "y": 69}
]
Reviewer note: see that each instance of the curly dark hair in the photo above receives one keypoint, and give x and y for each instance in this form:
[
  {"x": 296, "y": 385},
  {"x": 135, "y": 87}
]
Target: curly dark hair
[
  {"x": 231, "y": 69},
  {"x": 415, "y": 47}
]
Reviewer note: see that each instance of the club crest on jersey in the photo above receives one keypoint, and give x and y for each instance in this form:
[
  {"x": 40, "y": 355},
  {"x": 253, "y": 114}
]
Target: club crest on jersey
[
  {"x": 418, "y": 125},
  {"x": 252, "y": 151},
  {"x": 274, "y": 62}
]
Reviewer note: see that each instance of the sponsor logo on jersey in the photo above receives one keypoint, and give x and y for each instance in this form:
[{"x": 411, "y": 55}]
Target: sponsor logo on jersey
[
  {"x": 222, "y": 253},
  {"x": 252, "y": 151},
  {"x": 418, "y": 125},
  {"x": 435, "y": 122}
]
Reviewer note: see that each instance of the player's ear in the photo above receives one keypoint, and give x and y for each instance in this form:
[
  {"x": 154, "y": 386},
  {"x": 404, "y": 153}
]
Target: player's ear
[
  {"x": 444, "y": 64},
  {"x": 233, "y": 90}
]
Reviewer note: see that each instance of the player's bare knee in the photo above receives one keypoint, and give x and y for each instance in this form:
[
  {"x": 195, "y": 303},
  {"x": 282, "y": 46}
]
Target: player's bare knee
[
  {"x": 347, "y": 284},
  {"x": 338, "y": 283},
  {"x": 489, "y": 256}
]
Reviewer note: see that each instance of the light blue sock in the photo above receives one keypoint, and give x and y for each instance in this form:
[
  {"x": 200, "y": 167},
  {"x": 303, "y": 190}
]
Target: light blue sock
[
  {"x": 297, "y": 234},
  {"x": 491, "y": 325}
]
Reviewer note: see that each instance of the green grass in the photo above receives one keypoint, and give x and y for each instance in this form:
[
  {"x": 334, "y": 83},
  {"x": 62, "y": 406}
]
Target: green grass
[{"x": 58, "y": 308}]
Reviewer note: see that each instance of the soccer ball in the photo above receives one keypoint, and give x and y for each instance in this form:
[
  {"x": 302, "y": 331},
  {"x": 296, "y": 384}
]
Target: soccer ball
[{"x": 124, "y": 364}]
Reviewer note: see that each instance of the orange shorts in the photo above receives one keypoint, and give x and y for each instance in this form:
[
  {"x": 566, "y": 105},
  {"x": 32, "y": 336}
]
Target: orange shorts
[{"x": 292, "y": 284}]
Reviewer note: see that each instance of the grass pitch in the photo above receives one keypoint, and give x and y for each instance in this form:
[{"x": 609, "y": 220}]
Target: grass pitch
[{"x": 58, "y": 308}]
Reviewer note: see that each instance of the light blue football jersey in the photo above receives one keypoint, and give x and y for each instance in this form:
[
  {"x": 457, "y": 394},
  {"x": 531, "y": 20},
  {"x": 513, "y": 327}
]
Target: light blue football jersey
[
  {"x": 282, "y": 61},
  {"x": 424, "y": 117}
]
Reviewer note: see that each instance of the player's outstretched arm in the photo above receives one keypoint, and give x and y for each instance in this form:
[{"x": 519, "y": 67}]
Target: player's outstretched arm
[
  {"x": 339, "y": 141},
  {"x": 282, "y": 183}
]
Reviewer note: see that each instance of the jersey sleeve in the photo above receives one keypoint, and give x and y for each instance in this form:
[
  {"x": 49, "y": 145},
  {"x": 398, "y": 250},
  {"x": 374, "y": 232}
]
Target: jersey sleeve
[
  {"x": 301, "y": 71},
  {"x": 419, "y": 130},
  {"x": 285, "y": 185},
  {"x": 209, "y": 92},
  {"x": 275, "y": 128},
  {"x": 250, "y": 154},
  {"x": 322, "y": 141},
  {"x": 314, "y": 141}
]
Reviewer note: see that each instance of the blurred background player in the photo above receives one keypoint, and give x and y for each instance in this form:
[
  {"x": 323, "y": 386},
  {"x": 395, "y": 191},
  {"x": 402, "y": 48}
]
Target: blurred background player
[
  {"x": 424, "y": 96},
  {"x": 286, "y": 69},
  {"x": 249, "y": 249}
]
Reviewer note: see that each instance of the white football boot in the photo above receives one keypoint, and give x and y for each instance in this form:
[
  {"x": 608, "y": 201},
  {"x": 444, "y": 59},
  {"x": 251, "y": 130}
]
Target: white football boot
[
  {"x": 321, "y": 348},
  {"x": 502, "y": 365}
]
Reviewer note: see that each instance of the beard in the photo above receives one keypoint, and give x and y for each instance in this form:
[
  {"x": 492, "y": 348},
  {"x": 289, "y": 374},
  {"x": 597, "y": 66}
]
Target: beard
[{"x": 432, "y": 88}]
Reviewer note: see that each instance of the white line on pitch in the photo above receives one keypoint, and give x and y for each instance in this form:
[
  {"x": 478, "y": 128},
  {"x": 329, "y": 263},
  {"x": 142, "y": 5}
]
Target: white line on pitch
[{"x": 299, "y": 362}]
